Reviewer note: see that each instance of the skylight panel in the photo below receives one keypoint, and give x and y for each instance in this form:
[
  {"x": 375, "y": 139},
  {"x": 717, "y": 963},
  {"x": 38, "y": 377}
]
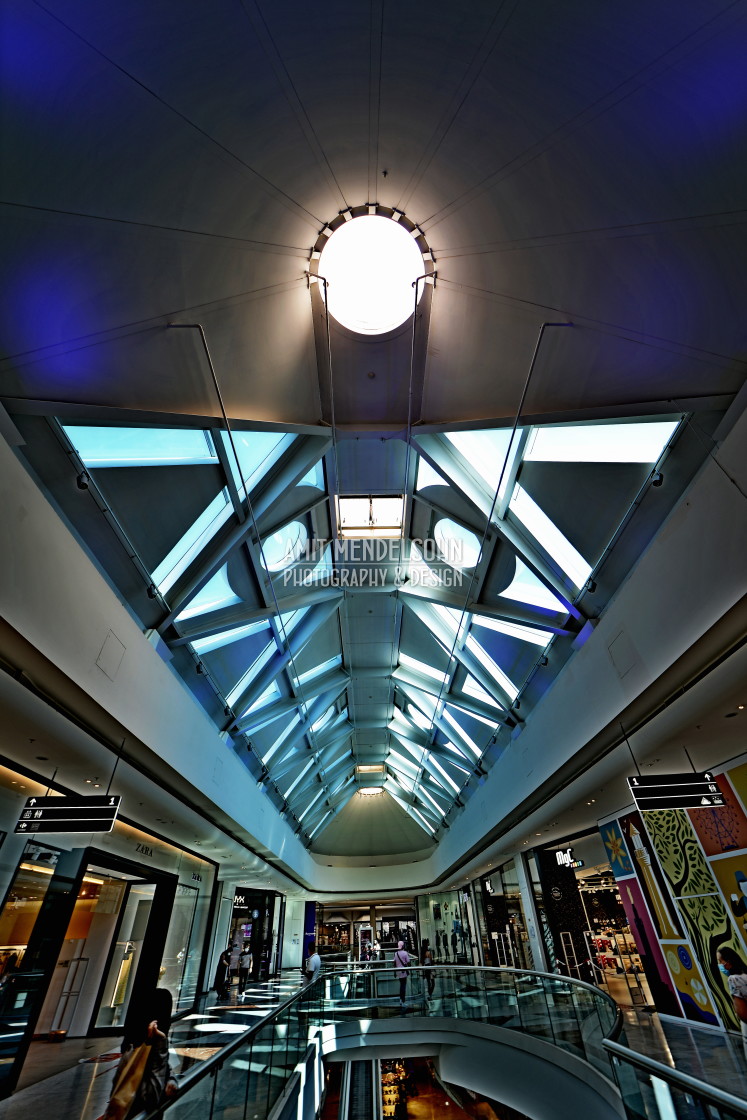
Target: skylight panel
[
  {"x": 422, "y": 820},
  {"x": 417, "y": 717},
  {"x": 284, "y": 547},
  {"x": 303, "y": 773},
  {"x": 277, "y": 744},
  {"x": 513, "y": 630},
  {"x": 287, "y": 623},
  {"x": 526, "y": 587},
  {"x": 140, "y": 447},
  {"x": 311, "y": 805},
  {"x": 549, "y": 536},
  {"x": 420, "y": 667},
  {"x": 193, "y": 542},
  {"x": 216, "y": 593},
  {"x": 490, "y": 666},
  {"x": 461, "y": 733},
  {"x": 473, "y": 688},
  {"x": 324, "y": 667},
  {"x": 600, "y": 443},
  {"x": 314, "y": 831},
  {"x": 215, "y": 641},
  {"x": 250, "y": 674},
  {"x": 449, "y": 781},
  {"x": 314, "y": 477},
  {"x": 370, "y": 517},
  {"x": 257, "y": 452},
  {"x": 427, "y": 476},
  {"x": 485, "y": 452},
  {"x": 324, "y": 719},
  {"x": 423, "y": 792},
  {"x": 272, "y": 692},
  {"x": 456, "y": 545}
]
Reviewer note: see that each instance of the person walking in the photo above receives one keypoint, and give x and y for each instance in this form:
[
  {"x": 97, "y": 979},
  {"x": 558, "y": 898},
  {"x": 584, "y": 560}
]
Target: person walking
[
  {"x": 143, "y": 1079},
  {"x": 222, "y": 976},
  {"x": 245, "y": 967},
  {"x": 426, "y": 960},
  {"x": 313, "y": 963},
  {"x": 402, "y": 963}
]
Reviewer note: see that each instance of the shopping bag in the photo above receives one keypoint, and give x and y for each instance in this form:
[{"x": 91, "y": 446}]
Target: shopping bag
[{"x": 127, "y": 1082}]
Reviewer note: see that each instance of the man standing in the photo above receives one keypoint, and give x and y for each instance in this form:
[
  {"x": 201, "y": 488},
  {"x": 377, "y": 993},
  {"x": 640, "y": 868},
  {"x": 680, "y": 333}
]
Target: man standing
[{"x": 313, "y": 963}]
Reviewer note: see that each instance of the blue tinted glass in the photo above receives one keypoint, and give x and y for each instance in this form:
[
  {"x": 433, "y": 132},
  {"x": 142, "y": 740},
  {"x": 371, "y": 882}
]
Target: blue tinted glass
[{"x": 140, "y": 447}]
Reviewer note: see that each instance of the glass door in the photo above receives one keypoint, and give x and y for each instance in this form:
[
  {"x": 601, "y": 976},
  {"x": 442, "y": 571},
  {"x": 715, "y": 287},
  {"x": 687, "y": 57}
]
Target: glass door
[{"x": 124, "y": 960}]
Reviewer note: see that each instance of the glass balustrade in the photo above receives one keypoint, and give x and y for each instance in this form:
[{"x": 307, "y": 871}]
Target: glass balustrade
[{"x": 247, "y": 1077}]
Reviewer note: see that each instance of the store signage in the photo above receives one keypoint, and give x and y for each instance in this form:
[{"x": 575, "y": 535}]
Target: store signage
[
  {"x": 197, "y": 878},
  {"x": 565, "y": 858},
  {"x": 93, "y": 813},
  {"x": 676, "y": 791},
  {"x": 144, "y": 850}
]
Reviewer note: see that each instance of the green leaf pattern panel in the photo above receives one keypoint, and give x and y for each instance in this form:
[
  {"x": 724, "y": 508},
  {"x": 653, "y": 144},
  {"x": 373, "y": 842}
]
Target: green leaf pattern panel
[
  {"x": 710, "y": 927},
  {"x": 680, "y": 854}
]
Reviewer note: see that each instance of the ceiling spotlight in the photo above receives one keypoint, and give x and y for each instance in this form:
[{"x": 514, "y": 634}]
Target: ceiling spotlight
[
  {"x": 657, "y": 478},
  {"x": 83, "y": 480},
  {"x": 200, "y": 668},
  {"x": 152, "y": 591},
  {"x": 591, "y": 586}
]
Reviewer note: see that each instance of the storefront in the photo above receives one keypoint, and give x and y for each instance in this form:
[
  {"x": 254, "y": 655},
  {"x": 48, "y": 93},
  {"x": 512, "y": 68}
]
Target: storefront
[
  {"x": 589, "y": 935},
  {"x": 257, "y": 925},
  {"x": 505, "y": 933},
  {"x": 89, "y": 921},
  {"x": 344, "y": 928},
  {"x": 447, "y": 920}
]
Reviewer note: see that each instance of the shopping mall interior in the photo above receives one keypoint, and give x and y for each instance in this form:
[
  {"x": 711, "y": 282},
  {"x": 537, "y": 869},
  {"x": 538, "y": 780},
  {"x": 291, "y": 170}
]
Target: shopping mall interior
[{"x": 373, "y": 467}]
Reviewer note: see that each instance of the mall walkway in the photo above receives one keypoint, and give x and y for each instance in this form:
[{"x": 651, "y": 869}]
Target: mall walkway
[{"x": 82, "y": 1091}]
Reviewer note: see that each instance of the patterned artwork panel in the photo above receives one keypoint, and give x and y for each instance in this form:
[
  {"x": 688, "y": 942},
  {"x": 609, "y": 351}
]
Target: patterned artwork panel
[
  {"x": 710, "y": 928},
  {"x": 738, "y": 778},
  {"x": 653, "y": 884},
  {"x": 617, "y": 853},
  {"x": 721, "y": 830},
  {"x": 679, "y": 852},
  {"x": 693, "y": 992},
  {"x": 644, "y": 935}
]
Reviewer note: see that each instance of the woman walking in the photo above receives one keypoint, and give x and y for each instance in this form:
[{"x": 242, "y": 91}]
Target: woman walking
[{"x": 402, "y": 962}]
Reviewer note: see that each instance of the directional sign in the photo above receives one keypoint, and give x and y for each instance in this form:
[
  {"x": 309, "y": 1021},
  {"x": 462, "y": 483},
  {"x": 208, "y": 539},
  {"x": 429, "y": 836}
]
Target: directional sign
[
  {"x": 96, "y": 813},
  {"x": 676, "y": 791}
]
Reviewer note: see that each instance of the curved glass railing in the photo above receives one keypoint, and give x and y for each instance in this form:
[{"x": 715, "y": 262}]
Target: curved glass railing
[{"x": 246, "y": 1077}]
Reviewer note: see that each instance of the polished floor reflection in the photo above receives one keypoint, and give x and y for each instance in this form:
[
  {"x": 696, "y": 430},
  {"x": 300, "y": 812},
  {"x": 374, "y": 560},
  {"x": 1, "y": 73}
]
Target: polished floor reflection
[{"x": 713, "y": 1056}]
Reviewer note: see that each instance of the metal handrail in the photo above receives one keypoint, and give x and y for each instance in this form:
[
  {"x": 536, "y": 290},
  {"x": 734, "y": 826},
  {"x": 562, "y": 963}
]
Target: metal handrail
[
  {"x": 675, "y": 1077},
  {"x": 210, "y": 1065}
]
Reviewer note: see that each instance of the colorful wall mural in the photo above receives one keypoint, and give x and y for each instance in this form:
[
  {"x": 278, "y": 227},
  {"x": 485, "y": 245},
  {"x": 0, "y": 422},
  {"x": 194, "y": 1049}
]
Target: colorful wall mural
[{"x": 682, "y": 877}]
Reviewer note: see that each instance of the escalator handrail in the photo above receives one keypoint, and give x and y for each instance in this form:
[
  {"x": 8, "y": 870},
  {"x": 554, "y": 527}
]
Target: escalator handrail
[{"x": 677, "y": 1078}]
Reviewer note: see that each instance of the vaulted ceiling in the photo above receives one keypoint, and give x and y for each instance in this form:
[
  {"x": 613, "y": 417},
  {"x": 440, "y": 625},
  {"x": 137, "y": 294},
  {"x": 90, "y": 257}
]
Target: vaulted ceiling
[{"x": 574, "y": 178}]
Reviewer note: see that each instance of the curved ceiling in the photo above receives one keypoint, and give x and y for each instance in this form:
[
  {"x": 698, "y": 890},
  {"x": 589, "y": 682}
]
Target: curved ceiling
[{"x": 165, "y": 168}]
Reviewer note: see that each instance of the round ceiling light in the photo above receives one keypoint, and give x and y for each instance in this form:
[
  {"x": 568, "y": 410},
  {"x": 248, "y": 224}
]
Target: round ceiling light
[
  {"x": 371, "y": 264},
  {"x": 457, "y": 545},
  {"x": 284, "y": 547}
]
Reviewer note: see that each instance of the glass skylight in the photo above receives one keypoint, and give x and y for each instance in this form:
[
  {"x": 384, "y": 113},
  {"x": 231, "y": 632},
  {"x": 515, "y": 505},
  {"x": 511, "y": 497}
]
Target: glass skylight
[
  {"x": 216, "y": 593},
  {"x": 420, "y": 667},
  {"x": 370, "y": 517},
  {"x": 293, "y": 784},
  {"x": 457, "y": 545},
  {"x": 248, "y": 676},
  {"x": 140, "y": 447},
  {"x": 215, "y": 641},
  {"x": 311, "y": 805},
  {"x": 193, "y": 542},
  {"x": 485, "y": 452},
  {"x": 549, "y": 536},
  {"x": 449, "y": 781},
  {"x": 467, "y": 739},
  {"x": 314, "y": 831},
  {"x": 526, "y": 587},
  {"x": 318, "y": 670},
  {"x": 284, "y": 547},
  {"x": 599, "y": 443},
  {"x": 473, "y": 688},
  {"x": 278, "y": 742},
  {"x": 272, "y": 692},
  {"x": 371, "y": 264},
  {"x": 490, "y": 666},
  {"x": 427, "y": 476},
  {"x": 257, "y": 453},
  {"x": 513, "y": 630},
  {"x": 314, "y": 477}
]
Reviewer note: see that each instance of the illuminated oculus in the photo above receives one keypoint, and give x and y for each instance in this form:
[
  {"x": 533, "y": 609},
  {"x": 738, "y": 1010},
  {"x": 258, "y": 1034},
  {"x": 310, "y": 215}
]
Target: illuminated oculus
[{"x": 371, "y": 264}]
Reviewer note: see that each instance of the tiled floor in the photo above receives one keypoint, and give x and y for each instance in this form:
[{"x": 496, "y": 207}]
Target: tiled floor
[{"x": 72, "y": 1079}]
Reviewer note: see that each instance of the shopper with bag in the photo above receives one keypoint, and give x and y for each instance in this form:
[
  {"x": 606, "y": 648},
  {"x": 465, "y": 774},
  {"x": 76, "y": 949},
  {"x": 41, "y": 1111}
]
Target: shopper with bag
[{"x": 143, "y": 1079}]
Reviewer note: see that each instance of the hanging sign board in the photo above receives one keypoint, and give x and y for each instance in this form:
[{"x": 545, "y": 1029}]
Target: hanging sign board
[
  {"x": 93, "y": 813},
  {"x": 676, "y": 791}
]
